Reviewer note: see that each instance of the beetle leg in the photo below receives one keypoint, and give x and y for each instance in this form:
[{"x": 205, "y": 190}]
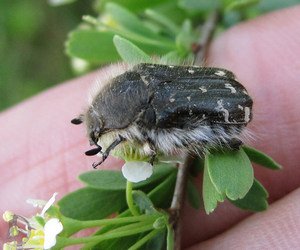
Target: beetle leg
[
  {"x": 105, "y": 154},
  {"x": 153, "y": 151},
  {"x": 235, "y": 144}
]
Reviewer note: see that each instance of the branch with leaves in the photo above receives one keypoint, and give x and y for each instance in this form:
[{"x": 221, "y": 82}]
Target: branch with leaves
[{"x": 146, "y": 206}]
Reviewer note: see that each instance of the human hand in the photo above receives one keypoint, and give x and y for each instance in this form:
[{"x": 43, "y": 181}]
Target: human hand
[{"x": 42, "y": 152}]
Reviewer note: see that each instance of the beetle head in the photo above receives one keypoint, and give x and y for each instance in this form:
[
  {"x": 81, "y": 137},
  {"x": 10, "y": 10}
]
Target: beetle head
[{"x": 94, "y": 124}]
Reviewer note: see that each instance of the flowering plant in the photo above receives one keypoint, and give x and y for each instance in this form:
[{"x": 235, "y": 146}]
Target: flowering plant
[{"x": 142, "y": 201}]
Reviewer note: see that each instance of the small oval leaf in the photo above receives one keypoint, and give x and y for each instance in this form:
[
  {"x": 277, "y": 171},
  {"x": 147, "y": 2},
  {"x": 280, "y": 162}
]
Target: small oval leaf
[
  {"x": 211, "y": 196},
  {"x": 129, "y": 52},
  {"x": 231, "y": 173},
  {"x": 260, "y": 158},
  {"x": 91, "y": 204},
  {"x": 255, "y": 200},
  {"x": 114, "y": 180},
  {"x": 193, "y": 194},
  {"x": 143, "y": 202},
  {"x": 91, "y": 45}
]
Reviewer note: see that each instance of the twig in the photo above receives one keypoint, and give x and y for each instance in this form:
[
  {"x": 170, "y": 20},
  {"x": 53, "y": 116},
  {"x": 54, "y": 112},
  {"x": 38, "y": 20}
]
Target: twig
[
  {"x": 178, "y": 199},
  {"x": 207, "y": 30},
  {"x": 200, "y": 51}
]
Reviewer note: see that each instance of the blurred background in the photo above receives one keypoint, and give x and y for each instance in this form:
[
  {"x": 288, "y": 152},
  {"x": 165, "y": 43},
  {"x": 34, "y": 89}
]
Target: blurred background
[{"x": 32, "y": 36}]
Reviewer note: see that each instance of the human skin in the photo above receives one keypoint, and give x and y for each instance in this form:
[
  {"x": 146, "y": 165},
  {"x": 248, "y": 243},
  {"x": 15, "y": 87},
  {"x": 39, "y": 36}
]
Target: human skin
[{"x": 42, "y": 152}]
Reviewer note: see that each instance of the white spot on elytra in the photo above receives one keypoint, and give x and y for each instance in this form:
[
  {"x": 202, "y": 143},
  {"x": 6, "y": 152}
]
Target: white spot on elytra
[
  {"x": 144, "y": 80},
  {"x": 151, "y": 66},
  {"x": 203, "y": 89},
  {"x": 240, "y": 107},
  {"x": 221, "y": 108},
  {"x": 171, "y": 66},
  {"x": 172, "y": 99},
  {"x": 220, "y": 73},
  {"x": 191, "y": 71},
  {"x": 245, "y": 92},
  {"x": 229, "y": 86},
  {"x": 190, "y": 112},
  {"x": 247, "y": 114},
  {"x": 189, "y": 98}
]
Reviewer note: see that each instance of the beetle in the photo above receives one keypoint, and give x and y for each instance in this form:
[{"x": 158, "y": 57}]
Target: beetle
[{"x": 169, "y": 109}]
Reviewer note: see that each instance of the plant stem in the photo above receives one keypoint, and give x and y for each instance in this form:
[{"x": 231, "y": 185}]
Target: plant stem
[
  {"x": 178, "y": 200},
  {"x": 201, "y": 50},
  {"x": 143, "y": 240},
  {"x": 117, "y": 233},
  {"x": 115, "y": 221},
  {"x": 207, "y": 30},
  {"x": 129, "y": 199}
]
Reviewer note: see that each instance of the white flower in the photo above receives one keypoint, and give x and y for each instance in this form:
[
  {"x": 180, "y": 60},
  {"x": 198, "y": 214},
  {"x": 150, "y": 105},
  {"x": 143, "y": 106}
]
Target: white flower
[
  {"x": 136, "y": 171},
  {"x": 40, "y": 231},
  {"x": 51, "y": 229},
  {"x": 48, "y": 204},
  {"x": 41, "y": 203}
]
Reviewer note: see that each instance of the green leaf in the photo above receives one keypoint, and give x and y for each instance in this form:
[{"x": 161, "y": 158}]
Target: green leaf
[
  {"x": 196, "y": 5},
  {"x": 163, "y": 20},
  {"x": 269, "y": 5},
  {"x": 171, "y": 58},
  {"x": 122, "y": 243},
  {"x": 127, "y": 20},
  {"x": 211, "y": 196},
  {"x": 158, "y": 242},
  {"x": 231, "y": 173},
  {"x": 60, "y": 2},
  {"x": 161, "y": 195},
  {"x": 255, "y": 200},
  {"x": 241, "y": 4},
  {"x": 260, "y": 158},
  {"x": 93, "y": 46},
  {"x": 143, "y": 202},
  {"x": 143, "y": 243},
  {"x": 197, "y": 166},
  {"x": 91, "y": 204},
  {"x": 129, "y": 52},
  {"x": 133, "y": 5},
  {"x": 114, "y": 180},
  {"x": 185, "y": 38},
  {"x": 104, "y": 179},
  {"x": 193, "y": 194}
]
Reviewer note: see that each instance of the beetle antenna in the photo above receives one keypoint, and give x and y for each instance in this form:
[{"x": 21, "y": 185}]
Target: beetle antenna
[
  {"x": 78, "y": 120},
  {"x": 93, "y": 151}
]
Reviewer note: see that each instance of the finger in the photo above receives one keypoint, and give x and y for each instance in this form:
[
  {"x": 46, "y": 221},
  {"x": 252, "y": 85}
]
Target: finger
[
  {"x": 42, "y": 151},
  {"x": 264, "y": 55},
  {"x": 277, "y": 228}
]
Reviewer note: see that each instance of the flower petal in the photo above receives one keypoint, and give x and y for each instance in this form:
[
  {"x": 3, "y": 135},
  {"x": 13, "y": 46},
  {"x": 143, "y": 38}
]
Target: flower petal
[
  {"x": 48, "y": 204},
  {"x": 136, "y": 171},
  {"x": 52, "y": 228}
]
